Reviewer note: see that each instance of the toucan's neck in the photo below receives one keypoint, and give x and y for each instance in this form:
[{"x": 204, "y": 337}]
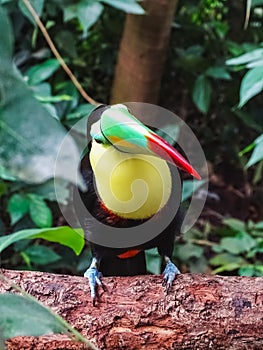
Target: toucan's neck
[{"x": 131, "y": 186}]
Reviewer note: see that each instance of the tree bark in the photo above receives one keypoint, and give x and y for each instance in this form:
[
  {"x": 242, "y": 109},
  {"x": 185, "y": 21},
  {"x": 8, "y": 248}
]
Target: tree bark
[
  {"x": 200, "y": 312},
  {"x": 142, "y": 53}
]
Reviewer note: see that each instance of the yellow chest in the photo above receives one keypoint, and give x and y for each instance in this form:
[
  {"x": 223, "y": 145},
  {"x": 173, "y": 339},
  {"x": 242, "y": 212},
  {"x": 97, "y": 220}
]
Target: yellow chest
[{"x": 132, "y": 186}]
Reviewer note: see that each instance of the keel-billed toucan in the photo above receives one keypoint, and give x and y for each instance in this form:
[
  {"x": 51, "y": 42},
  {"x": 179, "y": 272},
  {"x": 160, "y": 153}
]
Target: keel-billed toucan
[{"x": 128, "y": 179}]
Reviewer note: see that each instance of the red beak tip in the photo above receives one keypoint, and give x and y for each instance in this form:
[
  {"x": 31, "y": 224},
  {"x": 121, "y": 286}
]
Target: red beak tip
[{"x": 195, "y": 174}]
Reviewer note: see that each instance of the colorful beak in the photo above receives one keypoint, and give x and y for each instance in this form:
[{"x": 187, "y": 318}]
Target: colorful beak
[{"x": 128, "y": 134}]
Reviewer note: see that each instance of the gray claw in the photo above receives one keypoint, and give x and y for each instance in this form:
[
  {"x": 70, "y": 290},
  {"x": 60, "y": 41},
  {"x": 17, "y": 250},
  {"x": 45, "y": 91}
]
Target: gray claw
[
  {"x": 169, "y": 274},
  {"x": 94, "y": 277}
]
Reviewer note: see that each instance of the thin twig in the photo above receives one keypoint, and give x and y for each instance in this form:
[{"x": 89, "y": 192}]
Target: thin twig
[{"x": 57, "y": 54}]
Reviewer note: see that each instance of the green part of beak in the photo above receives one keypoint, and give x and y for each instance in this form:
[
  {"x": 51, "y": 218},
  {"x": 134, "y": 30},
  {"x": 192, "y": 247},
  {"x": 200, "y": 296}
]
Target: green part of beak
[{"x": 128, "y": 134}]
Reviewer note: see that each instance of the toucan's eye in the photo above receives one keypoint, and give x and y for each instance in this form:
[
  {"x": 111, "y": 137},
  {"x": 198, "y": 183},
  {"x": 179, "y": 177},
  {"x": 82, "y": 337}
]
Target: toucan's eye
[{"x": 98, "y": 140}]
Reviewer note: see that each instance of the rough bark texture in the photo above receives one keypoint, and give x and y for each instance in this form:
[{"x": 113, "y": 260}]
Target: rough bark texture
[
  {"x": 200, "y": 312},
  {"x": 142, "y": 53}
]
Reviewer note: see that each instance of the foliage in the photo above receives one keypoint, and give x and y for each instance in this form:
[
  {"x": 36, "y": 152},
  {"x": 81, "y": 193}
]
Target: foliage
[
  {"x": 15, "y": 319},
  {"x": 62, "y": 234},
  {"x": 206, "y": 63},
  {"x": 235, "y": 248},
  {"x": 251, "y": 85},
  {"x": 240, "y": 248},
  {"x": 29, "y": 149},
  {"x": 207, "y": 57},
  {"x": 205, "y": 36}
]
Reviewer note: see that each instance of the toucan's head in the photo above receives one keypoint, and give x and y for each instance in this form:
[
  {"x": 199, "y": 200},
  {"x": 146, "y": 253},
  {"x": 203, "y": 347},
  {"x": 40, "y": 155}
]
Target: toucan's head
[{"x": 118, "y": 127}]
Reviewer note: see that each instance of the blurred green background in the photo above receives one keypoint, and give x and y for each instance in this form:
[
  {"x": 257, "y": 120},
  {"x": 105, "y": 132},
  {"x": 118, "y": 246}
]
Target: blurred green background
[{"x": 212, "y": 78}]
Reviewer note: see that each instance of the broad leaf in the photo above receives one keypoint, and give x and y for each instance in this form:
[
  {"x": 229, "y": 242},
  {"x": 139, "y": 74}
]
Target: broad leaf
[
  {"x": 235, "y": 224},
  {"x": 187, "y": 251},
  {"x": 48, "y": 191},
  {"x": 247, "y": 57},
  {"x": 72, "y": 238},
  {"x": 254, "y": 64},
  {"x": 41, "y": 255},
  {"x": 18, "y": 206},
  {"x": 128, "y": 6},
  {"x": 189, "y": 187},
  {"x": 30, "y": 137},
  {"x": 251, "y": 85},
  {"x": 218, "y": 73},
  {"x": 41, "y": 72},
  {"x": 257, "y": 2},
  {"x": 257, "y": 153},
  {"x": 202, "y": 93},
  {"x": 39, "y": 211},
  {"x": 22, "y": 316},
  {"x": 86, "y": 11},
  {"x": 6, "y": 175},
  {"x": 241, "y": 243},
  {"x": 36, "y": 4},
  {"x": 153, "y": 261},
  {"x": 227, "y": 267},
  {"x": 225, "y": 259},
  {"x": 259, "y": 225},
  {"x": 6, "y": 39}
]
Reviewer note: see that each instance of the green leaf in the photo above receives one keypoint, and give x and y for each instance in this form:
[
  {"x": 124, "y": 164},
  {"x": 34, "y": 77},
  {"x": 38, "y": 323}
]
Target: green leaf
[
  {"x": 153, "y": 262},
  {"x": 186, "y": 251},
  {"x": 202, "y": 93},
  {"x": 228, "y": 267},
  {"x": 36, "y": 4},
  {"x": 82, "y": 111},
  {"x": 86, "y": 11},
  {"x": 18, "y": 206},
  {"x": 241, "y": 243},
  {"x": 41, "y": 255},
  {"x": 6, "y": 39},
  {"x": 15, "y": 318},
  {"x": 6, "y": 175},
  {"x": 72, "y": 238},
  {"x": 225, "y": 259},
  {"x": 251, "y": 85},
  {"x": 47, "y": 191},
  {"x": 254, "y": 64},
  {"x": 41, "y": 72},
  {"x": 253, "y": 55},
  {"x": 39, "y": 211},
  {"x": 235, "y": 224},
  {"x": 190, "y": 186},
  {"x": 30, "y": 136},
  {"x": 247, "y": 270},
  {"x": 257, "y": 3},
  {"x": 251, "y": 270},
  {"x": 257, "y": 153},
  {"x": 218, "y": 73},
  {"x": 128, "y": 6},
  {"x": 259, "y": 225}
]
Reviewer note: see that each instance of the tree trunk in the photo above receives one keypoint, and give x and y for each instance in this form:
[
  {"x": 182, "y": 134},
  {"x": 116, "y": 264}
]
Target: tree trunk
[
  {"x": 200, "y": 312},
  {"x": 142, "y": 53}
]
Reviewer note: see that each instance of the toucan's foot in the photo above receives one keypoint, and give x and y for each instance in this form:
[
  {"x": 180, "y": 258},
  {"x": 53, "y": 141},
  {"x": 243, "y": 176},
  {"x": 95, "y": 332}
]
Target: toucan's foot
[
  {"x": 169, "y": 274},
  {"x": 94, "y": 277}
]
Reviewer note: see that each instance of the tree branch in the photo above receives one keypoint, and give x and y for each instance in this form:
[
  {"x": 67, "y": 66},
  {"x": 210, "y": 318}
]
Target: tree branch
[{"x": 200, "y": 312}]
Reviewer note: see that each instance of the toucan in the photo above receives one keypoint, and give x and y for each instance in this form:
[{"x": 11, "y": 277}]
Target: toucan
[{"x": 128, "y": 173}]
